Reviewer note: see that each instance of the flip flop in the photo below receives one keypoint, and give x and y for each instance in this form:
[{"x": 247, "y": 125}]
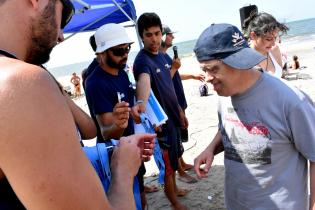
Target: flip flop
[{"x": 151, "y": 189}]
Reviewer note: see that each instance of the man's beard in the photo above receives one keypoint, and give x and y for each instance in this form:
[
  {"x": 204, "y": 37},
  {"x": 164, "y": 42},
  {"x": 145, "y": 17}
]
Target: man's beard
[
  {"x": 43, "y": 36},
  {"x": 111, "y": 63}
]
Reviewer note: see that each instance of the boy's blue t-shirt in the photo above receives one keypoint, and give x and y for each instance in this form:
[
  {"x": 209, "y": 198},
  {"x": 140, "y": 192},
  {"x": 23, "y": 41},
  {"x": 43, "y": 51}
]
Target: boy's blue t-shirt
[
  {"x": 101, "y": 95},
  {"x": 178, "y": 85},
  {"x": 161, "y": 82}
]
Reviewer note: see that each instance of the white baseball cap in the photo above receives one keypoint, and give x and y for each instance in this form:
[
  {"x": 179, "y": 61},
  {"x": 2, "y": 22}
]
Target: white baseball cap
[{"x": 110, "y": 35}]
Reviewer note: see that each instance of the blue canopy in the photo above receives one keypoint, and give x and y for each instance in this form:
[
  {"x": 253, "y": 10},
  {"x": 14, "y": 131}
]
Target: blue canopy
[{"x": 91, "y": 14}]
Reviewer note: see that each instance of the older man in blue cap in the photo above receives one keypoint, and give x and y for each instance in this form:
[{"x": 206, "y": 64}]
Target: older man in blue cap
[{"x": 265, "y": 127}]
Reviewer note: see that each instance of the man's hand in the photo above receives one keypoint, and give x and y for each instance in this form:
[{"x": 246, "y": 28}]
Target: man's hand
[
  {"x": 206, "y": 157},
  {"x": 176, "y": 63},
  {"x": 199, "y": 76},
  {"x": 121, "y": 114},
  {"x": 183, "y": 119},
  {"x": 127, "y": 156},
  {"x": 136, "y": 110}
]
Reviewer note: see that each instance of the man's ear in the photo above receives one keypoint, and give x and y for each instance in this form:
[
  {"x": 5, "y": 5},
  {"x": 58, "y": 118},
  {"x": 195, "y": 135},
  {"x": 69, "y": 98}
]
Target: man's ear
[
  {"x": 252, "y": 35},
  {"x": 164, "y": 37},
  {"x": 38, "y": 4}
]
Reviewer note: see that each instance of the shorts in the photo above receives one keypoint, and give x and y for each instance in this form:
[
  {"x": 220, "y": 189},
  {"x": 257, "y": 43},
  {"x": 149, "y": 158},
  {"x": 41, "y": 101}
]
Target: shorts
[
  {"x": 168, "y": 168},
  {"x": 140, "y": 176},
  {"x": 171, "y": 142}
]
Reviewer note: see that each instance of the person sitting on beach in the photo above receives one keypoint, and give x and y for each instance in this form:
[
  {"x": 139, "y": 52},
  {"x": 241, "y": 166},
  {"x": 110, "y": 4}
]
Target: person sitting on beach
[
  {"x": 75, "y": 80},
  {"x": 167, "y": 42},
  {"x": 263, "y": 31},
  {"x": 151, "y": 70},
  {"x": 266, "y": 143},
  {"x": 294, "y": 64},
  {"x": 42, "y": 165}
]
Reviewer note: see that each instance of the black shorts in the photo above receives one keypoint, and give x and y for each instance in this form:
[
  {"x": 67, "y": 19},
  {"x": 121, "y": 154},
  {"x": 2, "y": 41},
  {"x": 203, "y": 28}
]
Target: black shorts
[
  {"x": 140, "y": 176},
  {"x": 171, "y": 141}
]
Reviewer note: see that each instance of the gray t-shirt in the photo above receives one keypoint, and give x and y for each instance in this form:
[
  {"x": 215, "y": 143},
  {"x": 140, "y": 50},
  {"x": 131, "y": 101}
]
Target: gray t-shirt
[{"x": 268, "y": 135}]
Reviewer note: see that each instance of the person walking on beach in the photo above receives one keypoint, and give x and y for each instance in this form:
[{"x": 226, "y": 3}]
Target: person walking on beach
[
  {"x": 75, "y": 80},
  {"x": 42, "y": 166},
  {"x": 167, "y": 42},
  {"x": 151, "y": 70},
  {"x": 266, "y": 143},
  {"x": 263, "y": 31}
]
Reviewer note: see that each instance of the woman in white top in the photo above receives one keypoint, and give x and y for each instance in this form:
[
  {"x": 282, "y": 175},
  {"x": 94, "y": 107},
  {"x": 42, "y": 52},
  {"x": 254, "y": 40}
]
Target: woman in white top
[{"x": 263, "y": 31}]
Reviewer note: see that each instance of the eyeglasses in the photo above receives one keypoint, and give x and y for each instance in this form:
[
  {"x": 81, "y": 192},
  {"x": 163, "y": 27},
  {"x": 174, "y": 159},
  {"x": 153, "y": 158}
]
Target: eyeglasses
[
  {"x": 121, "y": 51},
  {"x": 67, "y": 12},
  {"x": 211, "y": 68}
]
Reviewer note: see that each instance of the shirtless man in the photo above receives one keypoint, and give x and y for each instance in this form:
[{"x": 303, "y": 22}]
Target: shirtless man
[
  {"x": 75, "y": 80},
  {"x": 40, "y": 157}
]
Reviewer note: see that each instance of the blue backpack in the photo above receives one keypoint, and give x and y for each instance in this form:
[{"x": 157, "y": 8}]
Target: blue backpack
[{"x": 98, "y": 156}]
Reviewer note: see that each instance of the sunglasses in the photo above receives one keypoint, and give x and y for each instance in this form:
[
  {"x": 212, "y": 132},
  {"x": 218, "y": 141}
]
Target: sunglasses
[
  {"x": 67, "y": 12},
  {"x": 121, "y": 51}
]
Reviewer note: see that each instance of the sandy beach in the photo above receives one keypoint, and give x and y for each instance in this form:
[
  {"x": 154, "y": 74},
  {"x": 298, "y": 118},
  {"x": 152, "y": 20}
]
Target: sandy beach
[{"x": 202, "y": 115}]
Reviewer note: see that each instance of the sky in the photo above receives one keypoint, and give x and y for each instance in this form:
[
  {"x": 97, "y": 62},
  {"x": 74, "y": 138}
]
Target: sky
[{"x": 189, "y": 19}]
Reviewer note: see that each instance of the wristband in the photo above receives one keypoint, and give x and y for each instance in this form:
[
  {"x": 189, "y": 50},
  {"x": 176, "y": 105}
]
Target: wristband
[{"x": 139, "y": 102}]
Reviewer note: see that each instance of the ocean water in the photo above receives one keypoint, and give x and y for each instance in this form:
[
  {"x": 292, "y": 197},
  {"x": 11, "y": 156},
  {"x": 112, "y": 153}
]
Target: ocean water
[{"x": 299, "y": 31}]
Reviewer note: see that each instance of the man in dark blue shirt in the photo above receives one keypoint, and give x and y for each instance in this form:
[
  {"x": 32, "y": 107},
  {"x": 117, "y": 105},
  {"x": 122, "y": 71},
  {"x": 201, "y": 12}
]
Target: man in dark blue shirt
[
  {"x": 167, "y": 42},
  {"x": 152, "y": 71}
]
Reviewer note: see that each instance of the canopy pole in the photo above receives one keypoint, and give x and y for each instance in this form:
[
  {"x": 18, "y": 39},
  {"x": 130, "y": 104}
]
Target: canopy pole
[
  {"x": 84, "y": 4},
  {"x": 123, "y": 11}
]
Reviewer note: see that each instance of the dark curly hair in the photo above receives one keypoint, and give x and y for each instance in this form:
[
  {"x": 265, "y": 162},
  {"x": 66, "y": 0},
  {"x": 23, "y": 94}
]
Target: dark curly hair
[
  {"x": 147, "y": 20},
  {"x": 264, "y": 23}
]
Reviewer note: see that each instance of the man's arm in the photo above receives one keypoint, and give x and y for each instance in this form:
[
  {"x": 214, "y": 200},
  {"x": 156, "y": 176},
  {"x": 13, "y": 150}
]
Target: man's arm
[
  {"x": 84, "y": 122},
  {"x": 123, "y": 160},
  {"x": 143, "y": 89},
  {"x": 312, "y": 185},
  {"x": 113, "y": 124},
  {"x": 183, "y": 118},
  {"x": 39, "y": 151},
  {"x": 199, "y": 76},
  {"x": 206, "y": 157}
]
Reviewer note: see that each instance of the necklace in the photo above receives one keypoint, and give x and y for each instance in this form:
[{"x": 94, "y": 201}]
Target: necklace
[{"x": 7, "y": 54}]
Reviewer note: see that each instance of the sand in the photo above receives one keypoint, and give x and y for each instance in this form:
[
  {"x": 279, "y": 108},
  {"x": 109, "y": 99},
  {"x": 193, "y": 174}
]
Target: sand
[{"x": 202, "y": 116}]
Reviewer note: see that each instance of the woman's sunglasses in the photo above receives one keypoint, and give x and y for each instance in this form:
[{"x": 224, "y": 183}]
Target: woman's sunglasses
[
  {"x": 67, "y": 12},
  {"x": 121, "y": 51}
]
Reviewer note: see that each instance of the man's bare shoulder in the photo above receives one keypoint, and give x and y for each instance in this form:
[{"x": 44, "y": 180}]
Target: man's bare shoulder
[
  {"x": 14, "y": 71},
  {"x": 28, "y": 95}
]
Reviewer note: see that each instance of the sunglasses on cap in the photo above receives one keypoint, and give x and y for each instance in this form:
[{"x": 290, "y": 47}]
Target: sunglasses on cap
[
  {"x": 121, "y": 51},
  {"x": 67, "y": 12}
]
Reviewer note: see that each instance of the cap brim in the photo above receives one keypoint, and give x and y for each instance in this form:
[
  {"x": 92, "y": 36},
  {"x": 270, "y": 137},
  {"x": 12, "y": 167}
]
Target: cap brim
[
  {"x": 113, "y": 43},
  {"x": 245, "y": 58}
]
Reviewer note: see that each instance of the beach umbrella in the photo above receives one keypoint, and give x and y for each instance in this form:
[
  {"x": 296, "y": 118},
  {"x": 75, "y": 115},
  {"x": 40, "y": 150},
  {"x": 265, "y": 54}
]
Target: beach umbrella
[{"x": 91, "y": 14}]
